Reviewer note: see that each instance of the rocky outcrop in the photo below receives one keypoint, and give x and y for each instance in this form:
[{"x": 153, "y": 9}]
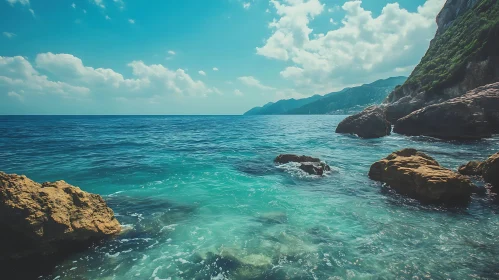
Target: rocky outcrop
[
  {"x": 419, "y": 176},
  {"x": 472, "y": 168},
  {"x": 474, "y": 115},
  {"x": 311, "y": 165},
  {"x": 463, "y": 55},
  {"x": 314, "y": 168},
  {"x": 287, "y": 158},
  {"x": 370, "y": 123},
  {"x": 43, "y": 219},
  {"x": 490, "y": 170}
]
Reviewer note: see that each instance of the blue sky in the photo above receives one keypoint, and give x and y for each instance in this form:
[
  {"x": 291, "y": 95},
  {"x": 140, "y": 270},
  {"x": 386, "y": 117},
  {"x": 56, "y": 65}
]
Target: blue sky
[{"x": 199, "y": 57}]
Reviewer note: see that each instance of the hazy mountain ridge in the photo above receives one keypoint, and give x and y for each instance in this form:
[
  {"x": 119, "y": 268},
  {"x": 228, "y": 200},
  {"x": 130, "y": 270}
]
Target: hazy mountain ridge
[
  {"x": 282, "y": 106},
  {"x": 342, "y": 102}
]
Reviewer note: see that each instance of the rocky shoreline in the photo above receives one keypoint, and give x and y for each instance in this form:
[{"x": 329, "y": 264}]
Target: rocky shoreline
[{"x": 453, "y": 93}]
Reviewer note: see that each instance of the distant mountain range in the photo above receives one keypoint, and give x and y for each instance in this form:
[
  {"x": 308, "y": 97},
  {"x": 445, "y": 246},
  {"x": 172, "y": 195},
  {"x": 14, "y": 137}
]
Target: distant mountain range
[{"x": 346, "y": 101}]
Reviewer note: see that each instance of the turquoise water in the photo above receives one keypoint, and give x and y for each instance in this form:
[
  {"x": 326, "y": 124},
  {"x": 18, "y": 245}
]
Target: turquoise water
[{"x": 200, "y": 198}]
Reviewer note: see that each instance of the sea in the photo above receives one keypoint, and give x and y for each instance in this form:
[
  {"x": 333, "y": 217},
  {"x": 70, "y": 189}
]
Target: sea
[{"x": 199, "y": 197}]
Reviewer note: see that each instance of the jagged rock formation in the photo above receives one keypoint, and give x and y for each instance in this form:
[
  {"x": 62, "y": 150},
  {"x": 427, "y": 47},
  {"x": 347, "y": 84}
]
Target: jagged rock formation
[
  {"x": 474, "y": 115},
  {"x": 419, "y": 176},
  {"x": 490, "y": 171},
  {"x": 472, "y": 168},
  {"x": 370, "y": 123},
  {"x": 463, "y": 55},
  {"x": 43, "y": 219}
]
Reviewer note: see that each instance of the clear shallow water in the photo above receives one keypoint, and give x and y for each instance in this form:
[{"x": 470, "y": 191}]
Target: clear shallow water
[{"x": 192, "y": 189}]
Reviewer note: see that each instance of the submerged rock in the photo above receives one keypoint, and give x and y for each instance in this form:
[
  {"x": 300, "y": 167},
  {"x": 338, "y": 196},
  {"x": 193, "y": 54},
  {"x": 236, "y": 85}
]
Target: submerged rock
[
  {"x": 273, "y": 218},
  {"x": 419, "y": 176},
  {"x": 370, "y": 123},
  {"x": 474, "y": 115},
  {"x": 311, "y": 165},
  {"x": 233, "y": 264},
  {"x": 490, "y": 170},
  {"x": 47, "y": 218},
  {"x": 472, "y": 168}
]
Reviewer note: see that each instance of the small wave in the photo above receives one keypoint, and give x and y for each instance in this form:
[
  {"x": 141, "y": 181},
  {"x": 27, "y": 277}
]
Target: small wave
[
  {"x": 114, "y": 193},
  {"x": 112, "y": 255},
  {"x": 169, "y": 227}
]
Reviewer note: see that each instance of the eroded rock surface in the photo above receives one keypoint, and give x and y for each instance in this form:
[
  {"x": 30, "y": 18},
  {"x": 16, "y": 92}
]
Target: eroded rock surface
[
  {"x": 490, "y": 170},
  {"x": 45, "y": 218},
  {"x": 419, "y": 176},
  {"x": 474, "y": 115},
  {"x": 472, "y": 168},
  {"x": 370, "y": 123}
]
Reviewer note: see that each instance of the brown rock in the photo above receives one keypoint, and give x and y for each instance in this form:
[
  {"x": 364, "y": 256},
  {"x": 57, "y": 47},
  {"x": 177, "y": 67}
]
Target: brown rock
[
  {"x": 419, "y": 176},
  {"x": 286, "y": 158},
  {"x": 45, "y": 217},
  {"x": 490, "y": 171},
  {"x": 474, "y": 115},
  {"x": 314, "y": 168},
  {"x": 311, "y": 165},
  {"x": 472, "y": 168},
  {"x": 370, "y": 123}
]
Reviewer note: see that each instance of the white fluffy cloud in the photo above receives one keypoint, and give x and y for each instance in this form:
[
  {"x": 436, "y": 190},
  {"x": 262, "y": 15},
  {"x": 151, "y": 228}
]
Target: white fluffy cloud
[
  {"x": 9, "y": 35},
  {"x": 22, "y": 2},
  {"x": 158, "y": 77},
  {"x": 71, "y": 69},
  {"x": 246, "y": 5},
  {"x": 131, "y": 21},
  {"x": 15, "y": 95},
  {"x": 170, "y": 52},
  {"x": 215, "y": 69},
  {"x": 99, "y": 3},
  {"x": 362, "y": 48},
  {"x": 69, "y": 76},
  {"x": 253, "y": 82},
  {"x": 16, "y": 74},
  {"x": 120, "y": 3},
  {"x": 201, "y": 72},
  {"x": 238, "y": 92}
]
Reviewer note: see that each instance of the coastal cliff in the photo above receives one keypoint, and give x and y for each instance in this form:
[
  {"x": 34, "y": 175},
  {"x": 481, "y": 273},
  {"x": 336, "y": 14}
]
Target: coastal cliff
[{"x": 463, "y": 55}]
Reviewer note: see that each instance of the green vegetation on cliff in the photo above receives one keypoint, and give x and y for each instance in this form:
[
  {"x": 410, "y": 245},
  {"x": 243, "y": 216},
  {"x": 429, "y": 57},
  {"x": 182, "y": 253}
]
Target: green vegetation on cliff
[{"x": 473, "y": 37}]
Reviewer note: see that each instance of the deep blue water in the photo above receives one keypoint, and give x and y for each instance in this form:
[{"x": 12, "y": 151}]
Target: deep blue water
[{"x": 190, "y": 189}]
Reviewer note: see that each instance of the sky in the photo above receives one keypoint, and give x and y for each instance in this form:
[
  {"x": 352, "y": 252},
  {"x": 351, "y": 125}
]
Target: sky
[{"x": 197, "y": 56}]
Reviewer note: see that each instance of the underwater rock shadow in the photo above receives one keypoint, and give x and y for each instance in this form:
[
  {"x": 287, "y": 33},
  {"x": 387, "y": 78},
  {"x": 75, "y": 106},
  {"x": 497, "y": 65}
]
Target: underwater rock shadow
[
  {"x": 256, "y": 167},
  {"x": 148, "y": 215},
  {"x": 399, "y": 200}
]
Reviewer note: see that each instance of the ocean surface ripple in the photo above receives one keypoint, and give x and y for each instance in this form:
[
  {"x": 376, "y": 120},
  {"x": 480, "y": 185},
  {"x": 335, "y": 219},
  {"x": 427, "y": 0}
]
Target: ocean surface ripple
[{"x": 201, "y": 199}]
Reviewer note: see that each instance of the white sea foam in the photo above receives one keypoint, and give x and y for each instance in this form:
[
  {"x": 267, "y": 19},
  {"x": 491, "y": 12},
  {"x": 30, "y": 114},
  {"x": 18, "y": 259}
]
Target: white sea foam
[
  {"x": 112, "y": 255},
  {"x": 169, "y": 227},
  {"x": 293, "y": 168}
]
